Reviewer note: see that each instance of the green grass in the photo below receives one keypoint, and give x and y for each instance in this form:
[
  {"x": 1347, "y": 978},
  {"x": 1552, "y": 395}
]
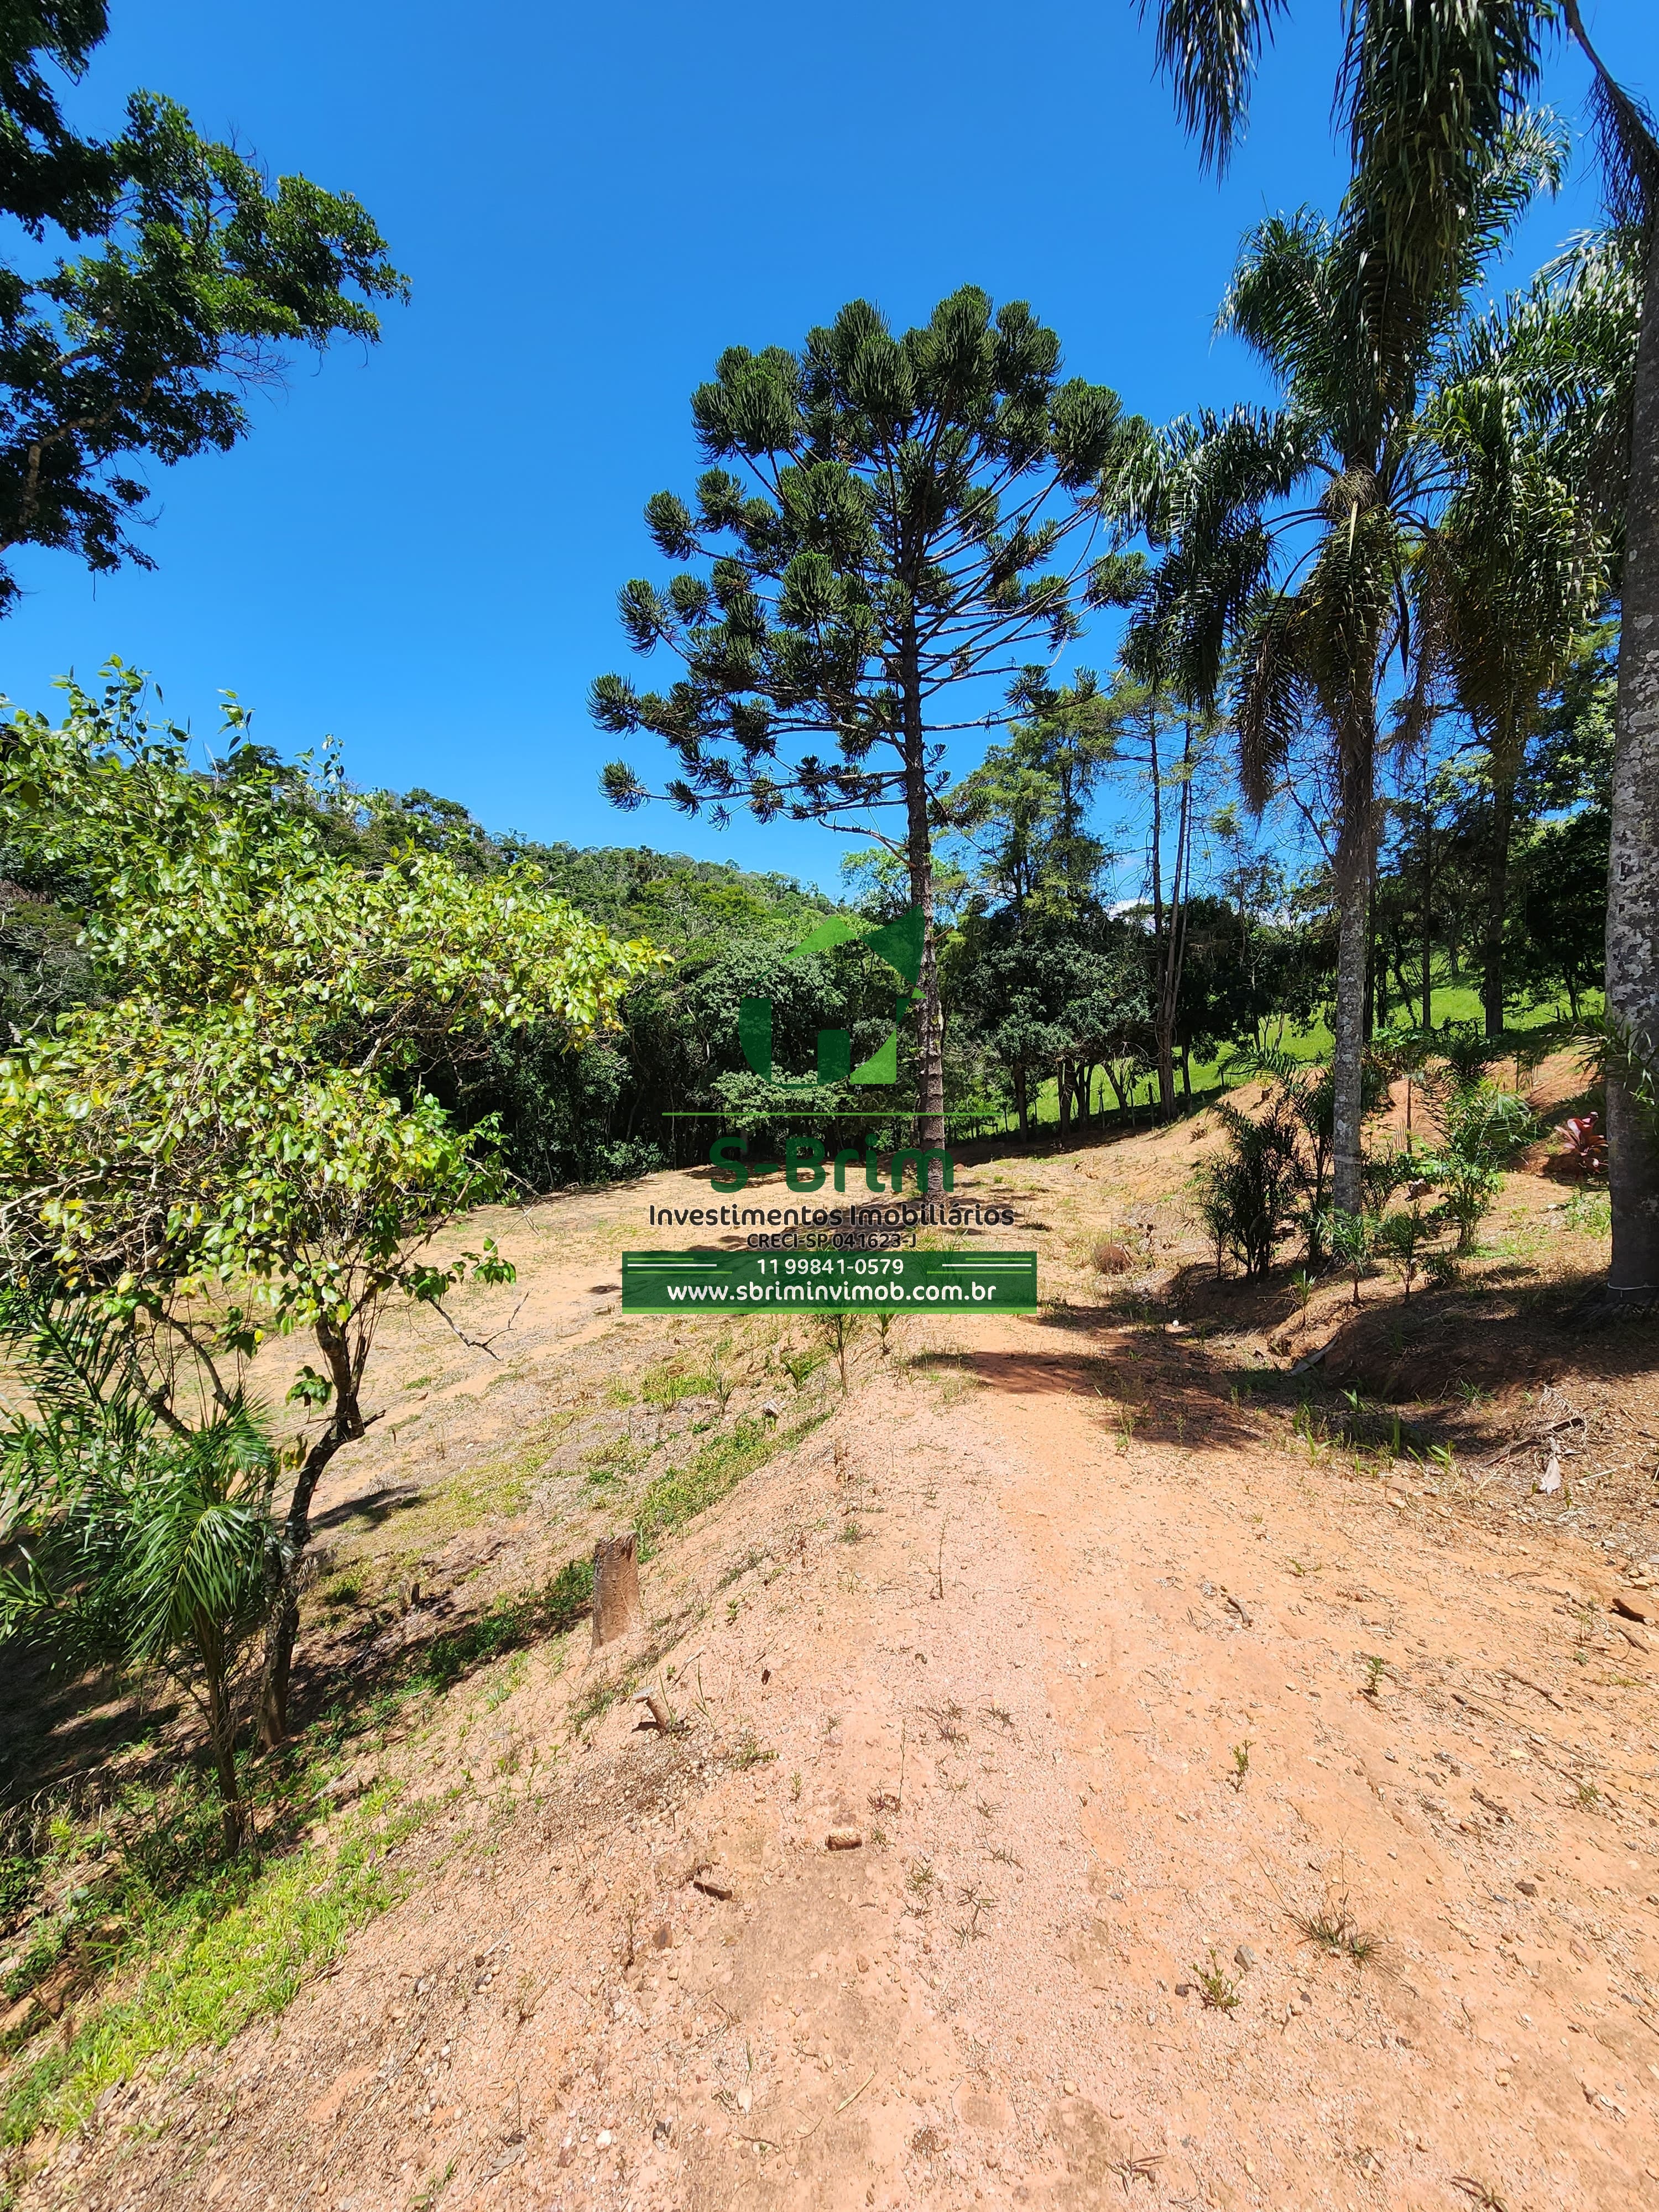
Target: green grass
[
  {"x": 676, "y": 1496},
  {"x": 668, "y": 1383},
  {"x": 1458, "y": 1002},
  {"x": 215, "y": 1976}
]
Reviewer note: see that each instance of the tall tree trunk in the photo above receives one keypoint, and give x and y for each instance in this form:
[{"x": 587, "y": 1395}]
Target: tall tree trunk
[
  {"x": 1633, "y": 858},
  {"x": 1505, "y": 770},
  {"x": 1353, "y": 895},
  {"x": 1633, "y": 984},
  {"x": 1021, "y": 1101},
  {"x": 1161, "y": 931},
  {"x": 1174, "y": 938},
  {"x": 1428, "y": 912},
  {"x": 920, "y": 855},
  {"x": 282, "y": 1629}
]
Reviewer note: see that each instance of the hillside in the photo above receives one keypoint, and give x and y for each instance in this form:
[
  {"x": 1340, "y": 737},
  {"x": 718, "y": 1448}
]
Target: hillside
[{"x": 1255, "y": 1773}]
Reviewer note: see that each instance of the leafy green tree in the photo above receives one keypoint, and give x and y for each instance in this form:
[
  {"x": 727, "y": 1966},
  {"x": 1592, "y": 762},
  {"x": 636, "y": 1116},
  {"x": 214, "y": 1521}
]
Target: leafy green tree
[
  {"x": 901, "y": 520},
  {"x": 238, "y": 1138},
  {"x": 198, "y": 279},
  {"x": 130, "y": 1543},
  {"x": 1427, "y": 91}
]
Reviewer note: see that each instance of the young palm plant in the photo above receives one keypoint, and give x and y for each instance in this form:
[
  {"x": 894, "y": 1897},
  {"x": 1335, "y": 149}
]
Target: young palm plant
[{"x": 126, "y": 1543}]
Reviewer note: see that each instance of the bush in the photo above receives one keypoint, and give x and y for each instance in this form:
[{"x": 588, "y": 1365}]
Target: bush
[
  {"x": 1486, "y": 1126},
  {"x": 1244, "y": 1199}
]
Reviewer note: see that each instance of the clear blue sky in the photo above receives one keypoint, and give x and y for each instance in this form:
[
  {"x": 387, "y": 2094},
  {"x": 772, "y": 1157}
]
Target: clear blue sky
[{"x": 418, "y": 549}]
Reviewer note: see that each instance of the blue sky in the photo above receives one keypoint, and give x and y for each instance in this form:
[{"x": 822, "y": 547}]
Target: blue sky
[{"x": 418, "y": 549}]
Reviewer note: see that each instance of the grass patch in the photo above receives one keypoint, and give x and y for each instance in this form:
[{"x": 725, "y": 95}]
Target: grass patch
[
  {"x": 1333, "y": 1929},
  {"x": 668, "y": 1384},
  {"x": 682, "y": 1493},
  {"x": 231, "y": 1966}
]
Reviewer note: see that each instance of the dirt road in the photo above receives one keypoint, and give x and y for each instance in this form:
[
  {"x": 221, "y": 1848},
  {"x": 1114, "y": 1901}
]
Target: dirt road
[{"x": 1238, "y": 1823}]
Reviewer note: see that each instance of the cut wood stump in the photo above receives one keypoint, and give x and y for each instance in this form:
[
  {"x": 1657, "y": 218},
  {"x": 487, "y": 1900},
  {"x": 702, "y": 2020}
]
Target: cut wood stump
[{"x": 616, "y": 1588}]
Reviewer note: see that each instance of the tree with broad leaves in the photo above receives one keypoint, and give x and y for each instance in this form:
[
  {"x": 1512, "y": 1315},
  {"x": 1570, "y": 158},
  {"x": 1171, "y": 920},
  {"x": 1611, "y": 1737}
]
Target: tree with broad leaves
[
  {"x": 888, "y": 526},
  {"x": 1427, "y": 89},
  {"x": 237, "y": 1140},
  {"x": 199, "y": 275}
]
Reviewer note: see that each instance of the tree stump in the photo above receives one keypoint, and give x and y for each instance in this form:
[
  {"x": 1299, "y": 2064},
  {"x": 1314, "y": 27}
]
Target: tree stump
[{"x": 616, "y": 1588}]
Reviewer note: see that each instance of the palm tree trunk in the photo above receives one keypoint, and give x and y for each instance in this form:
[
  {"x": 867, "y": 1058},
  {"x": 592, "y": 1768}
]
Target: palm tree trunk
[
  {"x": 1633, "y": 859},
  {"x": 1503, "y": 774},
  {"x": 1632, "y": 982},
  {"x": 1353, "y": 944}
]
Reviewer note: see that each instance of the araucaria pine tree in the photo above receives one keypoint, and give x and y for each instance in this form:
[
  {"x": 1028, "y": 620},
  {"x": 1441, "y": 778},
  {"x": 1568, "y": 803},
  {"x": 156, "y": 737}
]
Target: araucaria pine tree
[{"x": 889, "y": 525}]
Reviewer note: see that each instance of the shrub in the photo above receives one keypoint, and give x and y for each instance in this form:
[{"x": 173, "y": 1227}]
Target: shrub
[
  {"x": 1244, "y": 1198},
  {"x": 1486, "y": 1125}
]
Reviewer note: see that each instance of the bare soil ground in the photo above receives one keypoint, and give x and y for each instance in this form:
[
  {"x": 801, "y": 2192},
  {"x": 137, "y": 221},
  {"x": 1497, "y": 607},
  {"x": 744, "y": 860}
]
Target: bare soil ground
[{"x": 1255, "y": 1773}]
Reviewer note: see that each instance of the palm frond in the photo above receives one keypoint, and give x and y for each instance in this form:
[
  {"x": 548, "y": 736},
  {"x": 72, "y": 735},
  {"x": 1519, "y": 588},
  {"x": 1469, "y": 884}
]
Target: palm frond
[{"x": 1210, "y": 50}]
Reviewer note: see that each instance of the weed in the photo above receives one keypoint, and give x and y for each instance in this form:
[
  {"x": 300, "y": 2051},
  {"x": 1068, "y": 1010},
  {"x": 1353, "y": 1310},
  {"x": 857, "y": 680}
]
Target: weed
[
  {"x": 1216, "y": 1988},
  {"x": 1587, "y": 1796},
  {"x": 978, "y": 1904},
  {"x": 947, "y": 1719},
  {"x": 1241, "y": 1763},
  {"x": 1000, "y": 1714},
  {"x": 512, "y": 1676},
  {"x": 1376, "y": 1669},
  {"x": 852, "y": 1533},
  {"x": 794, "y": 1787},
  {"x": 669, "y": 1385},
  {"x": 1482, "y": 2192},
  {"x": 346, "y": 1589},
  {"x": 434, "y": 2190},
  {"x": 1333, "y": 1929},
  {"x": 1589, "y": 1213},
  {"x": 1004, "y": 1857},
  {"x": 919, "y": 1879},
  {"x": 749, "y": 1752}
]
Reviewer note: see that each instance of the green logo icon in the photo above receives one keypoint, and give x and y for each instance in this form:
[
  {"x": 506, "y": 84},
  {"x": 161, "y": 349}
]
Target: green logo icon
[{"x": 899, "y": 943}]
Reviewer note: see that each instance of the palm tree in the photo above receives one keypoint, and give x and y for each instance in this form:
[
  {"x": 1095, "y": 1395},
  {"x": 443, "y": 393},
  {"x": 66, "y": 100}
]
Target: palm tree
[
  {"x": 126, "y": 1543},
  {"x": 1426, "y": 87},
  {"x": 1288, "y": 535},
  {"x": 1522, "y": 557}
]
